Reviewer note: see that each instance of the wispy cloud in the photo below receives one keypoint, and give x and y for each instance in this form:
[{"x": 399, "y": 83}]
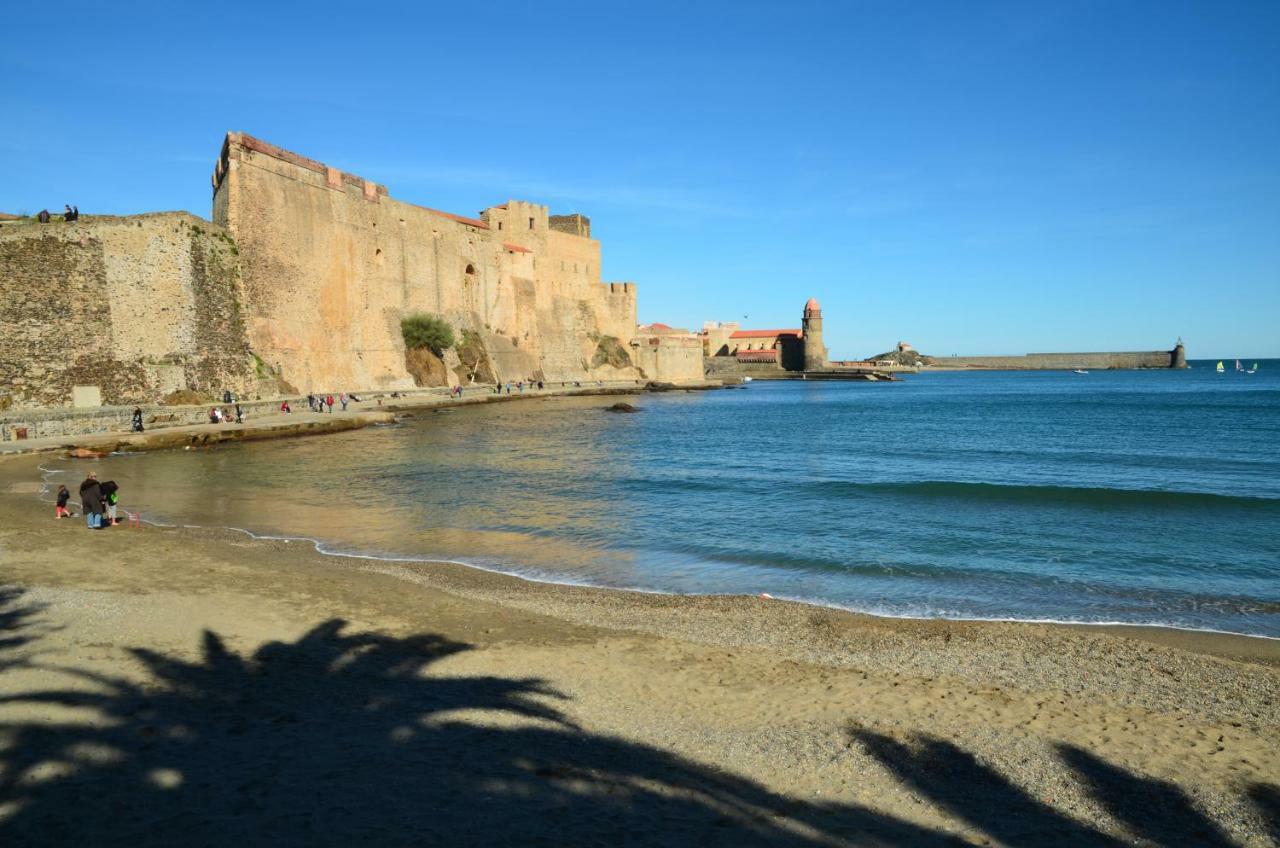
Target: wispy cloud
[{"x": 522, "y": 185}]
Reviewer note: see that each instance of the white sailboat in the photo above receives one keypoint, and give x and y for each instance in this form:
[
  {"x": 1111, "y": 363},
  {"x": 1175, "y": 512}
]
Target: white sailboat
[{"x": 1239, "y": 367}]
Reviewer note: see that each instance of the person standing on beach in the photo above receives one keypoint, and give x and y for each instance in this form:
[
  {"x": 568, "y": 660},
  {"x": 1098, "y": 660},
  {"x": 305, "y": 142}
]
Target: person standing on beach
[
  {"x": 111, "y": 496},
  {"x": 342, "y": 398},
  {"x": 328, "y": 399},
  {"x": 61, "y": 511},
  {"x": 91, "y": 500}
]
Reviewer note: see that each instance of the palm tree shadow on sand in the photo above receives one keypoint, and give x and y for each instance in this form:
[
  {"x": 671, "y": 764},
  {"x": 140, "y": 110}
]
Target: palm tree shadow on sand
[
  {"x": 347, "y": 738},
  {"x": 1155, "y": 811},
  {"x": 343, "y": 738}
]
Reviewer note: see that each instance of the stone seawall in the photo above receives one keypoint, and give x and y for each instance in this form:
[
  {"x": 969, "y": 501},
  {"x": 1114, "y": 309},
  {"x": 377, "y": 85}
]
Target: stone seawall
[
  {"x": 137, "y": 307},
  {"x": 1099, "y": 361}
]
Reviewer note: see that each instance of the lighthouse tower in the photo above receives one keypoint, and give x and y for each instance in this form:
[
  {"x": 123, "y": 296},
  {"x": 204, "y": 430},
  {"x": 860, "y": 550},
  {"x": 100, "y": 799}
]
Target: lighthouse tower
[{"x": 815, "y": 352}]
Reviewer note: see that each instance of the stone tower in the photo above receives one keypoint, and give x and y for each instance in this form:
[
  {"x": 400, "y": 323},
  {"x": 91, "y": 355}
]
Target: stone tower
[
  {"x": 815, "y": 352},
  {"x": 1178, "y": 356}
]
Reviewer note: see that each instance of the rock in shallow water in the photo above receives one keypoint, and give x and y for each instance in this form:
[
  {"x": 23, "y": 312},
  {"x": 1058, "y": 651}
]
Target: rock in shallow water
[{"x": 622, "y": 407}]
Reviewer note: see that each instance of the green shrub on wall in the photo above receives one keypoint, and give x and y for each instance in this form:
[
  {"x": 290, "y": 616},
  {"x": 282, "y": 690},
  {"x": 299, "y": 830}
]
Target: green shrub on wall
[{"x": 426, "y": 331}]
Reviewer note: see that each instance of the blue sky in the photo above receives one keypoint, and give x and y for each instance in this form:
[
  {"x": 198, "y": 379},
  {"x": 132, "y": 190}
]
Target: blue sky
[{"x": 970, "y": 177}]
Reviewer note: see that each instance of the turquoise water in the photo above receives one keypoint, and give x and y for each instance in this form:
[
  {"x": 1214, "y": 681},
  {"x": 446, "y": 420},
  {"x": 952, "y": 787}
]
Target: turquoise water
[{"x": 1147, "y": 497}]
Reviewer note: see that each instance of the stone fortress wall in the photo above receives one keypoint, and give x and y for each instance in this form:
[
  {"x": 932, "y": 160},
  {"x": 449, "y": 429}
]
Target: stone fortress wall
[
  {"x": 137, "y": 307},
  {"x": 331, "y": 263}
]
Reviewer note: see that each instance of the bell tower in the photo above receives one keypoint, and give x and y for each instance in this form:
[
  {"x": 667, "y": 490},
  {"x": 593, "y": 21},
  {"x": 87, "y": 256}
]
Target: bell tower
[{"x": 815, "y": 352}]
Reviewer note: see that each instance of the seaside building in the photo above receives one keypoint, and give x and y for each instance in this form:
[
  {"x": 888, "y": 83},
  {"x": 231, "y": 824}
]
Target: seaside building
[{"x": 789, "y": 349}]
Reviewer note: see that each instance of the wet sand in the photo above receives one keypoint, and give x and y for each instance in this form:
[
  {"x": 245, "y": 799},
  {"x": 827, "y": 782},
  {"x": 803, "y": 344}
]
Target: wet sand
[{"x": 195, "y": 686}]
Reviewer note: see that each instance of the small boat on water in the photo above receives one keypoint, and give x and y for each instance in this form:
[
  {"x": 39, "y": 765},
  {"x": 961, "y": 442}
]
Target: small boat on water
[
  {"x": 1220, "y": 368},
  {"x": 1239, "y": 367},
  {"x": 747, "y": 379},
  {"x": 1079, "y": 371},
  {"x": 1253, "y": 369}
]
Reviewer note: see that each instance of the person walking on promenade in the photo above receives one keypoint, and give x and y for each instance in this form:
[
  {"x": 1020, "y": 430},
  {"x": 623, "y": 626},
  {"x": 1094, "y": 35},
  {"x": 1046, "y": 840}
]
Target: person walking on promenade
[
  {"x": 61, "y": 511},
  {"x": 311, "y": 402},
  {"x": 328, "y": 399},
  {"x": 75, "y": 213},
  {"x": 111, "y": 496},
  {"x": 137, "y": 419},
  {"x": 66, "y": 215},
  {"x": 284, "y": 407},
  {"x": 91, "y": 500},
  {"x": 43, "y": 217},
  {"x": 342, "y": 398},
  {"x": 239, "y": 414}
]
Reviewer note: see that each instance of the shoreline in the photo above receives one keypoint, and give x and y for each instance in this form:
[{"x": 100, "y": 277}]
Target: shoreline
[
  {"x": 845, "y": 722},
  {"x": 1223, "y": 643},
  {"x": 1227, "y": 643}
]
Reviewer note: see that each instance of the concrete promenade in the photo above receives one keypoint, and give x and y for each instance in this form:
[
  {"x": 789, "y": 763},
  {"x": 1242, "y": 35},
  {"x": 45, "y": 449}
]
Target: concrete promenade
[{"x": 377, "y": 408}]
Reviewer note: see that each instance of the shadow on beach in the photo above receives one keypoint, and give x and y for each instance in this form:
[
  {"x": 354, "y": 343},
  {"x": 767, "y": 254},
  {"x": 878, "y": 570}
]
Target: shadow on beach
[{"x": 347, "y": 738}]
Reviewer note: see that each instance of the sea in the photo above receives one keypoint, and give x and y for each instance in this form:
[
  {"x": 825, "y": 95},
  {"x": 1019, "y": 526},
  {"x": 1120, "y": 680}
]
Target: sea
[{"x": 1134, "y": 497}]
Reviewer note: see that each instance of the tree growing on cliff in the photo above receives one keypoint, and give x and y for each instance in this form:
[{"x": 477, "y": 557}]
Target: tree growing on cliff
[{"x": 426, "y": 331}]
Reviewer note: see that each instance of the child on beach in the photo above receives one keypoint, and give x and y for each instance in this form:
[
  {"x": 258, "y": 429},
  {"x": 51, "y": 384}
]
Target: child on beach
[
  {"x": 110, "y": 495},
  {"x": 61, "y": 511}
]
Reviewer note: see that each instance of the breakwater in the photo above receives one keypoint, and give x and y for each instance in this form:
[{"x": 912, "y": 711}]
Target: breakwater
[{"x": 1101, "y": 361}]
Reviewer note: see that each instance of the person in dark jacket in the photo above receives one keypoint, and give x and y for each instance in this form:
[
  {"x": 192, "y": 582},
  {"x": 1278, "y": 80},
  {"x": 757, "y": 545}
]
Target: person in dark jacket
[
  {"x": 91, "y": 500},
  {"x": 61, "y": 511},
  {"x": 137, "y": 419}
]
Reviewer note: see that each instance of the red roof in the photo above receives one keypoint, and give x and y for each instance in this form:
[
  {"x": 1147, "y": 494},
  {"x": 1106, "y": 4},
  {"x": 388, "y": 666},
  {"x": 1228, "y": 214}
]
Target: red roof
[
  {"x": 762, "y": 334},
  {"x": 461, "y": 219},
  {"x": 657, "y": 325},
  {"x": 515, "y": 248}
]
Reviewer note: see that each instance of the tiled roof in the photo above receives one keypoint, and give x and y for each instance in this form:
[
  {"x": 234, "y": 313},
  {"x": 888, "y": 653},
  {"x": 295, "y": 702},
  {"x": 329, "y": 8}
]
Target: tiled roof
[
  {"x": 515, "y": 248},
  {"x": 763, "y": 334}
]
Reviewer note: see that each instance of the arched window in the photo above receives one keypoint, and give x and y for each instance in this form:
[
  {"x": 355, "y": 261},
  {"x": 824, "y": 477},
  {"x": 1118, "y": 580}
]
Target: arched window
[
  {"x": 471, "y": 271},
  {"x": 469, "y": 275}
]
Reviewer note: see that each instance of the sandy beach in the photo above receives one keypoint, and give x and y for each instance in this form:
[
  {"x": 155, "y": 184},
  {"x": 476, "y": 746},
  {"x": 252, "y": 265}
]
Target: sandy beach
[{"x": 196, "y": 686}]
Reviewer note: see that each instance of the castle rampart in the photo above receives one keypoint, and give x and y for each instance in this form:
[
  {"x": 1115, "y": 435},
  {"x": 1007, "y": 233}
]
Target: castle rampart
[
  {"x": 356, "y": 260},
  {"x": 137, "y": 307}
]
